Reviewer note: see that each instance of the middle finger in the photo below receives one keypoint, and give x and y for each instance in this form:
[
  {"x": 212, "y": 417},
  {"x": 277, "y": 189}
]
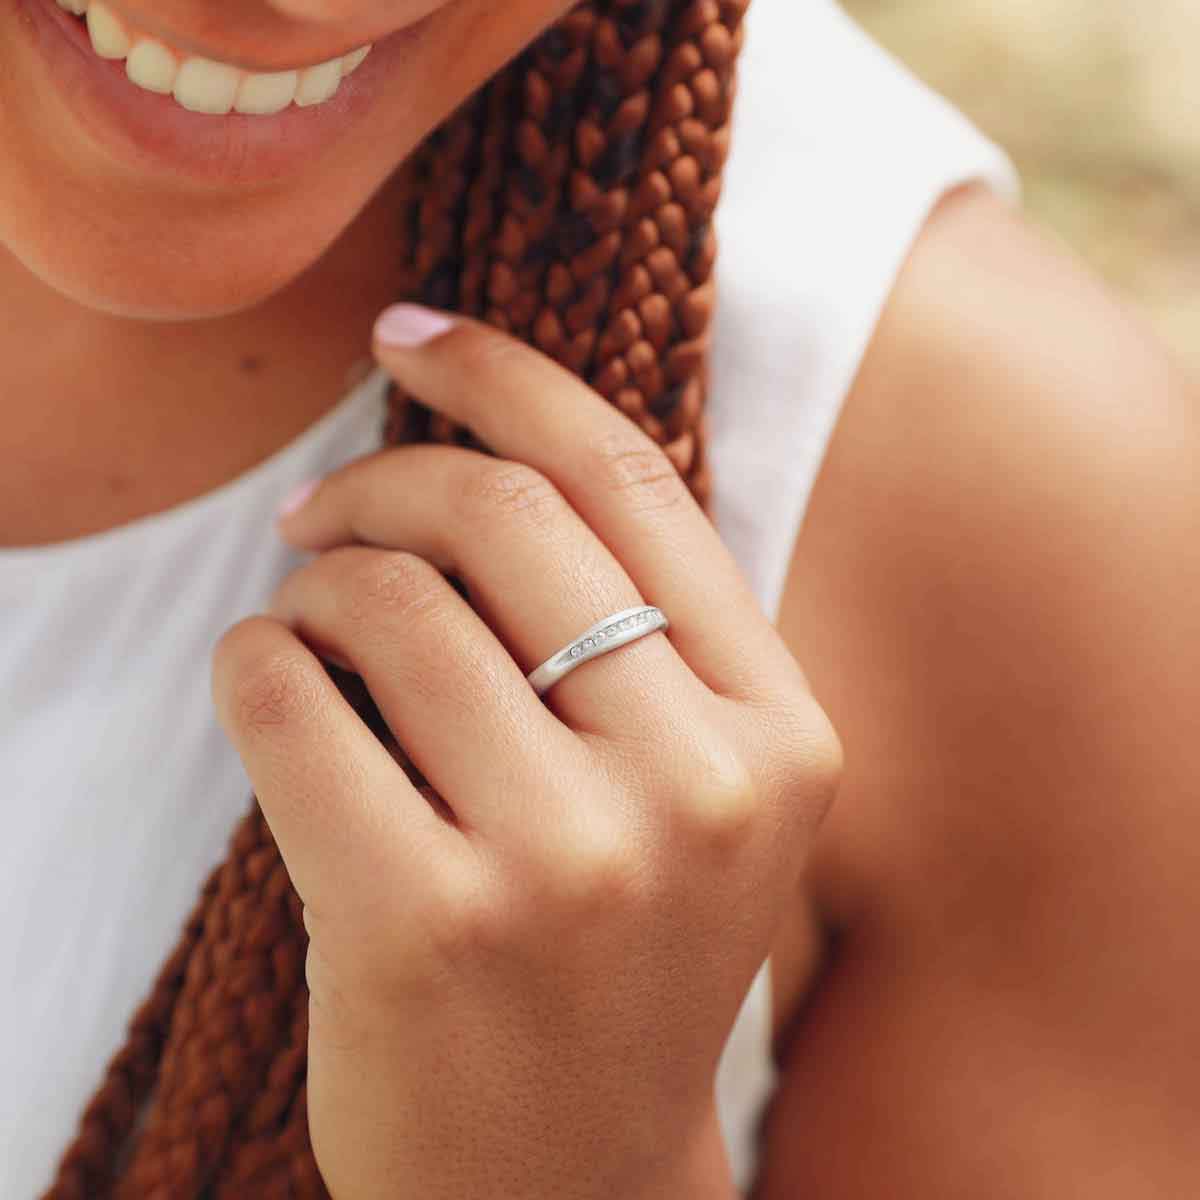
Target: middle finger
[{"x": 524, "y": 405}]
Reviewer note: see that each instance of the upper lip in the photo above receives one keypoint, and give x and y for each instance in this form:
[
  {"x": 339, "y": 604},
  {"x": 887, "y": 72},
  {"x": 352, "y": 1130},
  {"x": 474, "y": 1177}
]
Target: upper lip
[{"x": 249, "y": 36}]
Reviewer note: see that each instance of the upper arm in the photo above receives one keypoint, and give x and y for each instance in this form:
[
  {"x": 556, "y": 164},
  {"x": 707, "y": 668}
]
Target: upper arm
[{"x": 996, "y": 597}]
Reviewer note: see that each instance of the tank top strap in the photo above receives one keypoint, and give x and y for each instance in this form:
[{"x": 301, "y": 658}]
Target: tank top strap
[
  {"x": 838, "y": 154},
  {"x": 746, "y": 1078}
]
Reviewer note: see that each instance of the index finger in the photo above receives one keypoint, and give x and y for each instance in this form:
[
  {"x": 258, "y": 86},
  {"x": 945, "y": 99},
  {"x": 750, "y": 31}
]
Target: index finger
[{"x": 525, "y": 406}]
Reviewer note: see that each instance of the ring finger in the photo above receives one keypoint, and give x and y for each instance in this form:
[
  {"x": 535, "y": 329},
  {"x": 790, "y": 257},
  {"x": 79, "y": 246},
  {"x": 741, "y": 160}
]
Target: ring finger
[
  {"x": 536, "y": 572},
  {"x": 445, "y": 687}
]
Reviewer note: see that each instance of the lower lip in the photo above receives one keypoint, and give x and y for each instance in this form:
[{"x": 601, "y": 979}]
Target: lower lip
[{"x": 153, "y": 132}]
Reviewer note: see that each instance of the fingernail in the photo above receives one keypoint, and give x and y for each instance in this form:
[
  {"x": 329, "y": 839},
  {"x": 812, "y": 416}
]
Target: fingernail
[
  {"x": 407, "y": 325},
  {"x": 295, "y": 499}
]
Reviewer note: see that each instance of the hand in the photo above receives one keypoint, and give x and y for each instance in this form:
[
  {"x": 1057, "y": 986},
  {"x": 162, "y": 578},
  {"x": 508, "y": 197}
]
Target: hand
[{"x": 520, "y": 987}]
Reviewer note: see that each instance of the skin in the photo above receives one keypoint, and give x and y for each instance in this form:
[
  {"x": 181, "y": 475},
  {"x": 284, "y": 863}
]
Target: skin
[
  {"x": 989, "y": 984},
  {"x": 101, "y": 262},
  {"x": 984, "y": 979},
  {"x": 525, "y": 988}
]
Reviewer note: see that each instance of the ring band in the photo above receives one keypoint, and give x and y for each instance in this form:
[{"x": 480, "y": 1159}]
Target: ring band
[{"x": 617, "y": 630}]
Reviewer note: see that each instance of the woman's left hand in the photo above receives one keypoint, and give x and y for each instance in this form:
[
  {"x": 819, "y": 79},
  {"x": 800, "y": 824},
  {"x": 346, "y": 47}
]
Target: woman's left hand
[{"x": 521, "y": 988}]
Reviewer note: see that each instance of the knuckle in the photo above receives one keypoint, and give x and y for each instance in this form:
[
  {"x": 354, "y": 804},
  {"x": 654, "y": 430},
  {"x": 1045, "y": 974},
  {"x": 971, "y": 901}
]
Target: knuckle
[
  {"x": 720, "y": 800},
  {"x": 394, "y": 582},
  {"x": 803, "y": 759},
  {"x": 481, "y": 350},
  {"x": 464, "y": 917},
  {"x": 826, "y": 766},
  {"x": 597, "y": 870},
  {"x": 634, "y": 467},
  {"x": 509, "y": 491},
  {"x": 263, "y": 687},
  {"x": 335, "y": 1010}
]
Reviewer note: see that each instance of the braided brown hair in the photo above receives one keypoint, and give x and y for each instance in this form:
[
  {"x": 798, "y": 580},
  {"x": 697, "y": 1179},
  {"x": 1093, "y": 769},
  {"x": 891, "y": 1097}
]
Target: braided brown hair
[{"x": 569, "y": 202}]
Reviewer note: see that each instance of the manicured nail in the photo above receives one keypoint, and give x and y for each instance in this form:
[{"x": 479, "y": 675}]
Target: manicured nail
[
  {"x": 295, "y": 499},
  {"x": 407, "y": 325}
]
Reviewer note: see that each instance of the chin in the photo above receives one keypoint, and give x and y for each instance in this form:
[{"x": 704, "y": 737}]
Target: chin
[
  {"x": 181, "y": 266},
  {"x": 155, "y": 299},
  {"x": 149, "y": 297}
]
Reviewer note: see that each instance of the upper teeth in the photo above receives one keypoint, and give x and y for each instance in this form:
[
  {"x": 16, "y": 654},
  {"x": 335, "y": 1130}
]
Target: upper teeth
[{"x": 201, "y": 84}]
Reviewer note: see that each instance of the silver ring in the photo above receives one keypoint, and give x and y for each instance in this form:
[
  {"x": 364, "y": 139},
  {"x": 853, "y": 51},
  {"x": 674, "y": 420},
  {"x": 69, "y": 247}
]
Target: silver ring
[{"x": 617, "y": 630}]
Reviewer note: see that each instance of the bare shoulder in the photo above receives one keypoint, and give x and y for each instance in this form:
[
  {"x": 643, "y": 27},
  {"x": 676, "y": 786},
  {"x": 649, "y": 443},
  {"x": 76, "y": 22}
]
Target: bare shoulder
[{"x": 996, "y": 596}]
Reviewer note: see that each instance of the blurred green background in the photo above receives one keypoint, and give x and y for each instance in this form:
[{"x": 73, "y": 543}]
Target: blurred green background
[{"x": 1098, "y": 102}]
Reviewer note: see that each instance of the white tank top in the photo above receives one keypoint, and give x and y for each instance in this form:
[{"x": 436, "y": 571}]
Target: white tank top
[{"x": 116, "y": 815}]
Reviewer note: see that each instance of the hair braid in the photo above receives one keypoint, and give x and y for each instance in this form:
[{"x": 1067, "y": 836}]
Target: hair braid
[{"x": 568, "y": 202}]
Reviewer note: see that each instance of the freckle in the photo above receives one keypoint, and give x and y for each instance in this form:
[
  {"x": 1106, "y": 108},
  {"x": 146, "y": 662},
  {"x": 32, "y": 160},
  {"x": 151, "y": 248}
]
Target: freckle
[{"x": 251, "y": 364}]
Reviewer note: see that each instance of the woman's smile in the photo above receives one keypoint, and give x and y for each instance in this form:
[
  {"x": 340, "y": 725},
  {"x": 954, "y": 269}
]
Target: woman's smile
[
  {"x": 203, "y": 84},
  {"x": 145, "y": 100},
  {"x": 208, "y": 152}
]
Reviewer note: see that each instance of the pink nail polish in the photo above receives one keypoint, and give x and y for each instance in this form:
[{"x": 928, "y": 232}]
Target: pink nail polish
[
  {"x": 410, "y": 325},
  {"x": 295, "y": 499}
]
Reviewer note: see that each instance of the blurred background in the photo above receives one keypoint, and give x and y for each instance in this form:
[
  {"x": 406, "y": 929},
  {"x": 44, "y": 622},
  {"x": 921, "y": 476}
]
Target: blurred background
[{"x": 1098, "y": 102}]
